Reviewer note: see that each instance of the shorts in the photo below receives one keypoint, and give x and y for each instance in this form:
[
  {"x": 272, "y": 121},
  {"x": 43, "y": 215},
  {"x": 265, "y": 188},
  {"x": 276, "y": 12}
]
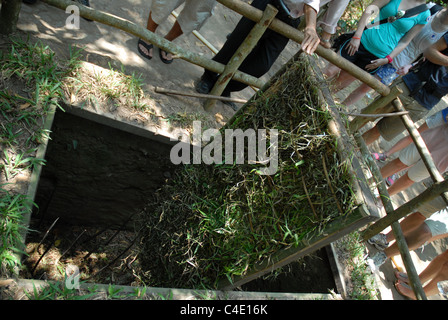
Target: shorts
[
  {"x": 428, "y": 208},
  {"x": 411, "y": 157},
  {"x": 438, "y": 223},
  {"x": 361, "y": 58},
  {"x": 387, "y": 74},
  {"x": 391, "y": 127},
  {"x": 192, "y": 17},
  {"x": 435, "y": 120}
]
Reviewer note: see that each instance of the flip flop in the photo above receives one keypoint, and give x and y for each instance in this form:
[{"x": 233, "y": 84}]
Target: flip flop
[
  {"x": 401, "y": 276},
  {"x": 146, "y": 46},
  {"x": 166, "y": 61}
]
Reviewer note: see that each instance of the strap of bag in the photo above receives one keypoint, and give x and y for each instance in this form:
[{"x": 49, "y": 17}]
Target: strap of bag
[{"x": 409, "y": 13}]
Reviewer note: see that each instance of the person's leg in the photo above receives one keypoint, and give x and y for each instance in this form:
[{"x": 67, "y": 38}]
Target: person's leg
[
  {"x": 392, "y": 167},
  {"x": 174, "y": 33},
  {"x": 436, "y": 271},
  {"x": 356, "y": 95},
  {"x": 408, "y": 225},
  {"x": 371, "y": 135},
  {"x": 401, "y": 184},
  {"x": 343, "y": 80},
  {"x": 331, "y": 71},
  {"x": 414, "y": 239},
  {"x": 144, "y": 47}
]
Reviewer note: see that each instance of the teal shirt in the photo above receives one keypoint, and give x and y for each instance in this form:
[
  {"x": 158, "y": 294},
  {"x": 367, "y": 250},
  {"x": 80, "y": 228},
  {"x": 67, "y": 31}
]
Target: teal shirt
[{"x": 382, "y": 40}]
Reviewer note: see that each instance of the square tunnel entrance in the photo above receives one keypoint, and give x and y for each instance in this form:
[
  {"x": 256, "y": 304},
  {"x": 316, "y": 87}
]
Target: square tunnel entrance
[{"x": 99, "y": 175}]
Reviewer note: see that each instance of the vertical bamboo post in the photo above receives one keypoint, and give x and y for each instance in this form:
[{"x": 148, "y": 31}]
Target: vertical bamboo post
[
  {"x": 398, "y": 233},
  {"x": 421, "y": 147},
  {"x": 241, "y": 54}
]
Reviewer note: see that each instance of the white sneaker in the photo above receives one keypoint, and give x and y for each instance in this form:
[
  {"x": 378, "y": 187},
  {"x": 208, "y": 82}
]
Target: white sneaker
[
  {"x": 379, "y": 241},
  {"x": 377, "y": 261}
]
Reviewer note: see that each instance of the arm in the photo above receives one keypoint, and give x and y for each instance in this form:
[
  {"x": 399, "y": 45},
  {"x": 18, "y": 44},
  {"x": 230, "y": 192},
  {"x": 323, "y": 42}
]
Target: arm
[
  {"x": 354, "y": 43},
  {"x": 311, "y": 39},
  {"x": 407, "y": 38},
  {"x": 434, "y": 52}
]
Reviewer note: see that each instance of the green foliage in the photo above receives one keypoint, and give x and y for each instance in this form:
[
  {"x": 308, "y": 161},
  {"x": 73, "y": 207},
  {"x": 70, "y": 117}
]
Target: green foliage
[{"x": 12, "y": 208}]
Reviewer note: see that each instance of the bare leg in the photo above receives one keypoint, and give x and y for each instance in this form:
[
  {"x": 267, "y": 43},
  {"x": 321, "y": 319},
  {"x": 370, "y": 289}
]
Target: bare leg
[
  {"x": 409, "y": 224},
  {"x": 343, "y": 80},
  {"x": 174, "y": 33},
  {"x": 404, "y": 142},
  {"x": 392, "y": 167},
  {"x": 436, "y": 271},
  {"x": 151, "y": 26},
  {"x": 401, "y": 184},
  {"x": 414, "y": 239},
  {"x": 356, "y": 95},
  {"x": 371, "y": 135},
  {"x": 330, "y": 71}
]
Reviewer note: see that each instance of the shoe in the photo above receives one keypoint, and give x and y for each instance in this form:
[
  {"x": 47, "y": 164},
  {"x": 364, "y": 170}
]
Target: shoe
[
  {"x": 203, "y": 86},
  {"x": 379, "y": 156},
  {"x": 377, "y": 261},
  {"x": 390, "y": 180},
  {"x": 229, "y": 103},
  {"x": 379, "y": 241}
]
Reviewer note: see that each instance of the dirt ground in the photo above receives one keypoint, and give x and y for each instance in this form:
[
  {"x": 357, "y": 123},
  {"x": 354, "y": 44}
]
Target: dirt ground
[{"x": 105, "y": 46}]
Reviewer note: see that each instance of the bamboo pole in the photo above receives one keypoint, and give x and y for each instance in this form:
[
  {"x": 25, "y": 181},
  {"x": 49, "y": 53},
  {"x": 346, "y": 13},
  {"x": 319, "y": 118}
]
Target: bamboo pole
[
  {"x": 396, "y": 229},
  {"x": 199, "y": 36},
  {"x": 375, "y": 107},
  {"x": 145, "y": 34},
  {"x": 294, "y": 34},
  {"x": 241, "y": 54},
  {"x": 198, "y": 95},
  {"x": 429, "y": 194}
]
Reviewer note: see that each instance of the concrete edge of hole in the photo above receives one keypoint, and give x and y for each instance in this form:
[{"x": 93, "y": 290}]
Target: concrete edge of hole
[{"x": 172, "y": 293}]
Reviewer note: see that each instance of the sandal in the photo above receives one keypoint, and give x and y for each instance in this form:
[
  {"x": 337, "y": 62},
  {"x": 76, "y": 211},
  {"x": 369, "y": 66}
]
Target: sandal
[
  {"x": 379, "y": 156},
  {"x": 390, "y": 180},
  {"x": 146, "y": 46},
  {"x": 402, "y": 277},
  {"x": 166, "y": 61}
]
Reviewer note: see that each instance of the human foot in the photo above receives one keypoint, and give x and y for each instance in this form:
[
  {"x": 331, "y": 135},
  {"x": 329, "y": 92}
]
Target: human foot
[
  {"x": 401, "y": 276},
  {"x": 145, "y": 49},
  {"x": 166, "y": 57},
  {"x": 405, "y": 290}
]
